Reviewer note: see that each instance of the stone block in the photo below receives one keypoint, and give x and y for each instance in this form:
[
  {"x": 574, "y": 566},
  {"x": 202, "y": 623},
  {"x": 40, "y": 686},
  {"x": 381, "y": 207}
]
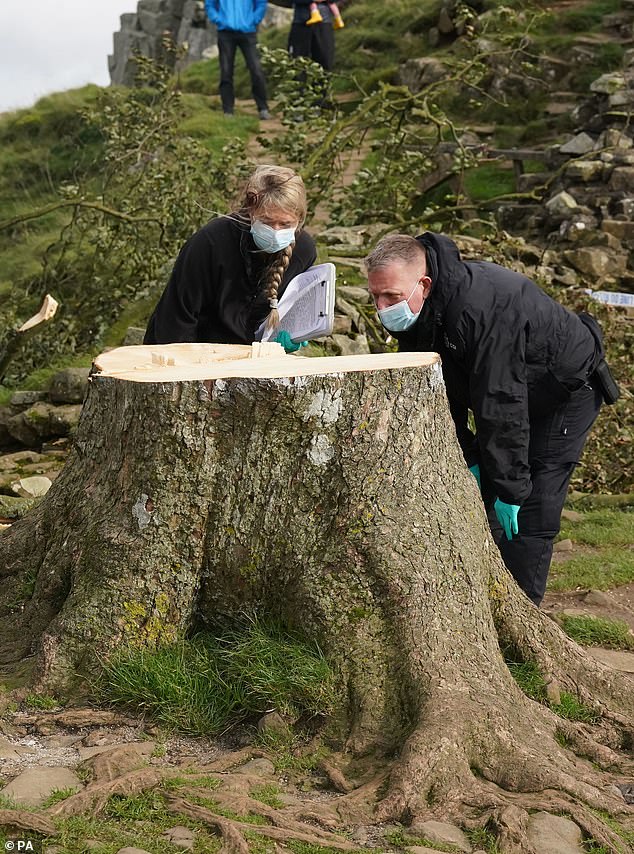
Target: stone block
[
  {"x": 596, "y": 261},
  {"x": 529, "y": 180},
  {"x": 512, "y": 216},
  {"x": 354, "y": 293},
  {"x": 342, "y": 325},
  {"x": 554, "y": 834},
  {"x": 585, "y": 170},
  {"x": 622, "y": 178},
  {"x": 614, "y": 138},
  {"x": 69, "y": 385},
  {"x": 155, "y": 24},
  {"x": 445, "y": 22},
  {"x": 33, "y": 786},
  {"x": 134, "y": 335},
  {"x": 180, "y": 837},
  {"x": 621, "y": 229},
  {"x": 582, "y": 143},
  {"x": 419, "y": 73},
  {"x": 562, "y": 205},
  {"x": 351, "y": 346},
  {"x": 24, "y": 399},
  {"x": 609, "y": 84},
  {"x": 443, "y": 833}
]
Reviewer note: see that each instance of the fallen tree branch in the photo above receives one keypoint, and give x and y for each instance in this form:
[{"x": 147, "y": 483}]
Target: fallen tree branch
[
  {"x": 47, "y": 311},
  {"x": 75, "y": 203}
]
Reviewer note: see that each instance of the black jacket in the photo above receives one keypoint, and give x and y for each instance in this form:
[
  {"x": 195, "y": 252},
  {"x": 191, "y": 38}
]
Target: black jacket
[
  {"x": 509, "y": 353},
  {"x": 215, "y": 293}
]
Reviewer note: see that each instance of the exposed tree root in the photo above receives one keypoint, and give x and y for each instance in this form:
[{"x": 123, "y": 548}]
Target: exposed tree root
[
  {"x": 336, "y": 778},
  {"x": 93, "y": 798},
  {"x": 233, "y": 842},
  {"x": 539, "y": 639},
  {"x": 179, "y": 806},
  {"x": 584, "y": 743},
  {"x": 357, "y": 807},
  {"x": 28, "y": 821},
  {"x": 511, "y": 829},
  {"x": 465, "y": 741},
  {"x": 234, "y": 760},
  {"x": 506, "y": 820}
]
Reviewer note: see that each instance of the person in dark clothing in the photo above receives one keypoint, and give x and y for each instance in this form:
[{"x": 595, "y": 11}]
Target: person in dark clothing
[
  {"x": 523, "y": 364},
  {"x": 229, "y": 276},
  {"x": 237, "y": 22},
  {"x": 316, "y": 40}
]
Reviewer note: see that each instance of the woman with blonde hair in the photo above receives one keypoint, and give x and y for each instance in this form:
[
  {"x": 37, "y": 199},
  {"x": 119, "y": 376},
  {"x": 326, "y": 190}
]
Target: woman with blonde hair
[{"x": 229, "y": 276}]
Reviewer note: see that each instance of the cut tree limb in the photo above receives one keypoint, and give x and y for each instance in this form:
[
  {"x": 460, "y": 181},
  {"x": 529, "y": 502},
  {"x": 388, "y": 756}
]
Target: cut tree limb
[{"x": 47, "y": 311}]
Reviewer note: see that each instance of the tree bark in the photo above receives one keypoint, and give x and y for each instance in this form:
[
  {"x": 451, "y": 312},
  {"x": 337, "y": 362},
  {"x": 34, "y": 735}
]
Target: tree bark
[{"x": 330, "y": 493}]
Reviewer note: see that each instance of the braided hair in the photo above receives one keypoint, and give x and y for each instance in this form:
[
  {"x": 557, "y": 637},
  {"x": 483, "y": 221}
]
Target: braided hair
[{"x": 271, "y": 187}]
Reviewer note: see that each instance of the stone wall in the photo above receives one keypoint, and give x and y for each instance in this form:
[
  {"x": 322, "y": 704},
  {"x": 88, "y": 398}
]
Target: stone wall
[
  {"x": 587, "y": 208},
  {"x": 184, "y": 21}
]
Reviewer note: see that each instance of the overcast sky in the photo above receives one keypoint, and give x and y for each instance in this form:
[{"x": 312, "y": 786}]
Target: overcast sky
[{"x": 51, "y": 45}]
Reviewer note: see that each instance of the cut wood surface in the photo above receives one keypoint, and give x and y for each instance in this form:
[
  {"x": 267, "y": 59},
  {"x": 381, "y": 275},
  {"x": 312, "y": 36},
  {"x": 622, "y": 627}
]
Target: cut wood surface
[
  {"x": 174, "y": 362},
  {"x": 331, "y": 495},
  {"x": 47, "y": 311}
]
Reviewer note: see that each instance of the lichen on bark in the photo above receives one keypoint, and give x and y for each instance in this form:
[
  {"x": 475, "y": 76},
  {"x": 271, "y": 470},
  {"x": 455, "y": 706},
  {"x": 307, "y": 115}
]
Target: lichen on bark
[{"x": 338, "y": 502}]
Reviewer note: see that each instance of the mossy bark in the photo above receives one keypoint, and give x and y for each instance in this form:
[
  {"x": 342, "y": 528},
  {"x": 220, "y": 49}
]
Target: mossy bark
[{"x": 340, "y": 503}]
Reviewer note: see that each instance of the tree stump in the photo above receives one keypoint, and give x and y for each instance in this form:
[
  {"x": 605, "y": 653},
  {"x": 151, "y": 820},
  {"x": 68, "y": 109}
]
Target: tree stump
[{"x": 330, "y": 493}]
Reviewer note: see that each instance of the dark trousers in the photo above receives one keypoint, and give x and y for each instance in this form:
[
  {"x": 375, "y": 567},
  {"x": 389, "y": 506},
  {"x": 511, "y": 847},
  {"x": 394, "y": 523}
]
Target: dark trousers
[
  {"x": 556, "y": 444},
  {"x": 317, "y": 42},
  {"x": 228, "y": 42}
]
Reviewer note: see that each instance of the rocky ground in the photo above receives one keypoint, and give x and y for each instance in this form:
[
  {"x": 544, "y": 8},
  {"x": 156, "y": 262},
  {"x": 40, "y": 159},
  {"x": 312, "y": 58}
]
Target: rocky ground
[{"x": 68, "y": 766}]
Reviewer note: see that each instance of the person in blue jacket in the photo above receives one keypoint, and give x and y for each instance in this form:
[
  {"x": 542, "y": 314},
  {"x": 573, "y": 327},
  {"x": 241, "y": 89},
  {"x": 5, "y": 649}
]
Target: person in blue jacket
[{"x": 237, "y": 23}]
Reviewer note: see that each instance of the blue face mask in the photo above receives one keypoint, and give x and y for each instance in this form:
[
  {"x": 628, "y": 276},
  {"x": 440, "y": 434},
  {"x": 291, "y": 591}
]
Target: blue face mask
[
  {"x": 399, "y": 317},
  {"x": 270, "y": 239}
]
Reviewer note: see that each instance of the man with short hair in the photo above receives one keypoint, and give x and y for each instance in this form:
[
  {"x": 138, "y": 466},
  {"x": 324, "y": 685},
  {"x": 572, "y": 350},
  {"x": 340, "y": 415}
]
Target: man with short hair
[
  {"x": 523, "y": 364},
  {"x": 237, "y": 22}
]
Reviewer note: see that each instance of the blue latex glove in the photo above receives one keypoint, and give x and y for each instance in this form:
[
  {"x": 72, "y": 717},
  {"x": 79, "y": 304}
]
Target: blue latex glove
[
  {"x": 507, "y": 517},
  {"x": 287, "y": 343},
  {"x": 475, "y": 471}
]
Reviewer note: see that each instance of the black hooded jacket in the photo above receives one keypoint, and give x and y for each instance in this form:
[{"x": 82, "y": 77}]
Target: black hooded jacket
[
  {"x": 216, "y": 291},
  {"x": 509, "y": 353}
]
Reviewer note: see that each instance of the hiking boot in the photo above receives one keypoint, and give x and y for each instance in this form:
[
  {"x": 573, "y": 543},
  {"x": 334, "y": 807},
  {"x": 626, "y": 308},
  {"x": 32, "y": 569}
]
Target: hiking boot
[{"x": 264, "y": 115}]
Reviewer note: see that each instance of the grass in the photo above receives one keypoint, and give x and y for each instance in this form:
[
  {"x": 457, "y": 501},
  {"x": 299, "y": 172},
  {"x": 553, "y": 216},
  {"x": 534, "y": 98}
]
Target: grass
[
  {"x": 530, "y": 680},
  {"x": 403, "y": 839},
  {"x": 58, "y": 795},
  {"x": 597, "y": 631},
  {"x": 206, "y": 684},
  {"x": 41, "y": 702},
  {"x": 617, "y": 827},
  {"x": 609, "y": 564},
  {"x": 127, "y": 822},
  {"x": 611, "y": 567},
  {"x": 489, "y": 181},
  {"x": 483, "y": 839},
  {"x": 267, "y": 794},
  {"x": 287, "y": 753},
  {"x": 601, "y": 528}
]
